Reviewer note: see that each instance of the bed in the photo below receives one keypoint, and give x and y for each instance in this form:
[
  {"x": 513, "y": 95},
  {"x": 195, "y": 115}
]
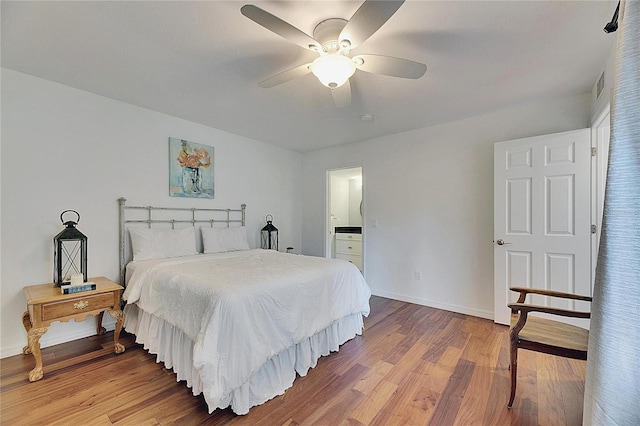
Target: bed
[{"x": 236, "y": 324}]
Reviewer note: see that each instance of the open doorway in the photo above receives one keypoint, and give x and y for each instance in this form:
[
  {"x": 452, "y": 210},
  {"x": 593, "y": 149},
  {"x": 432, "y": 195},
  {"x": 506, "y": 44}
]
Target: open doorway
[
  {"x": 600, "y": 133},
  {"x": 344, "y": 216}
]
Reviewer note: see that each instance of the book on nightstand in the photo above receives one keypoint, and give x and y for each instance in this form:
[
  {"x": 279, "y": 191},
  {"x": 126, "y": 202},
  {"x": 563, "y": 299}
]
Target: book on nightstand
[{"x": 70, "y": 289}]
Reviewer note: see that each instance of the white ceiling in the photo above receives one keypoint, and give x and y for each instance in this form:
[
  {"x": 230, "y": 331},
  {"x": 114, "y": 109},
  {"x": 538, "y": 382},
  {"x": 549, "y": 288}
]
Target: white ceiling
[{"x": 201, "y": 61}]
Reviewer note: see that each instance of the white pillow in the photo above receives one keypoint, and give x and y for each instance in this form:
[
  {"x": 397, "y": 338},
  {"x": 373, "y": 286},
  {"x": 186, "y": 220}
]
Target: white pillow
[
  {"x": 162, "y": 243},
  {"x": 216, "y": 240}
]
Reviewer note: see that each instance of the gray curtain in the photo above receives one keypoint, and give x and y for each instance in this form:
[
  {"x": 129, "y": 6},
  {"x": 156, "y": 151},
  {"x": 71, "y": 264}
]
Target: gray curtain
[{"x": 612, "y": 388}]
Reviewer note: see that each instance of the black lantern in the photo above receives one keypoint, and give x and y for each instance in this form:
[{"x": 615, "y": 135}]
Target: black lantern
[
  {"x": 69, "y": 252},
  {"x": 270, "y": 235}
]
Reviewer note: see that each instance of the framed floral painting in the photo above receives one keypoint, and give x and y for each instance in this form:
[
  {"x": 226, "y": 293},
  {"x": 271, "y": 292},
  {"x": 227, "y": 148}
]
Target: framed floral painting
[{"x": 190, "y": 169}]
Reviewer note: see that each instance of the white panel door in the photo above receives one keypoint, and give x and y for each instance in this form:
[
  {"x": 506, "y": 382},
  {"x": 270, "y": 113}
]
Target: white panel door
[{"x": 542, "y": 225}]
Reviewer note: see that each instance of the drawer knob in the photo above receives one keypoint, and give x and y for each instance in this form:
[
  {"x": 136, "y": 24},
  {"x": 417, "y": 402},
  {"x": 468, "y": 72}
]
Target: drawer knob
[
  {"x": 350, "y": 248},
  {"x": 81, "y": 305}
]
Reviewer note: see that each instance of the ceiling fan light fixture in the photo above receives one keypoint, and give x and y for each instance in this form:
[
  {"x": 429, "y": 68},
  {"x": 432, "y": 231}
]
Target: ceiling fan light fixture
[{"x": 333, "y": 70}]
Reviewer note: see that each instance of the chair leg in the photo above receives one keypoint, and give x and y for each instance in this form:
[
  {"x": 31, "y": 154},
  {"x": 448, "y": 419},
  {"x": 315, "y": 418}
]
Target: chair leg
[{"x": 513, "y": 337}]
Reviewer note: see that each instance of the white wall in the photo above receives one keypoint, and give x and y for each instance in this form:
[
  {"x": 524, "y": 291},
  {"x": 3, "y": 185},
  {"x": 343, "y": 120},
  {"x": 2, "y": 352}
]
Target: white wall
[
  {"x": 63, "y": 148},
  {"x": 430, "y": 191},
  {"x": 601, "y": 103},
  {"x": 340, "y": 200},
  {"x": 355, "y": 197},
  {"x": 346, "y": 194}
]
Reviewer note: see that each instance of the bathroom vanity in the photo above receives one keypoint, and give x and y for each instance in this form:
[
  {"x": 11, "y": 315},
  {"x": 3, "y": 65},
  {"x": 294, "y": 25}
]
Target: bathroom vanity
[{"x": 349, "y": 244}]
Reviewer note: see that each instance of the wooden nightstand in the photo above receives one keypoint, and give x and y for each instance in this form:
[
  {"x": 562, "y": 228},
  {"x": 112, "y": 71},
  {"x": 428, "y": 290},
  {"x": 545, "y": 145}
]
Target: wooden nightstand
[{"x": 46, "y": 304}]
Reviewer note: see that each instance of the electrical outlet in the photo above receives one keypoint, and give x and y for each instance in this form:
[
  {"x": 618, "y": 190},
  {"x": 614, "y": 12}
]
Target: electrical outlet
[{"x": 418, "y": 275}]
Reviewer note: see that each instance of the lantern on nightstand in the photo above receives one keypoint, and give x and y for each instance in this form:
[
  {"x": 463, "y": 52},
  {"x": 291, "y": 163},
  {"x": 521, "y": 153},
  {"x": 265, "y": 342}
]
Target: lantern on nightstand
[
  {"x": 69, "y": 252},
  {"x": 269, "y": 235}
]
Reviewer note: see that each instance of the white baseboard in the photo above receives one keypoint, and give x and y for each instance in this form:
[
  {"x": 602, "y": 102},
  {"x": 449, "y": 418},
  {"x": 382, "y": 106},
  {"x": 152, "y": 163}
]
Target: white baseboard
[
  {"x": 434, "y": 304},
  {"x": 110, "y": 325}
]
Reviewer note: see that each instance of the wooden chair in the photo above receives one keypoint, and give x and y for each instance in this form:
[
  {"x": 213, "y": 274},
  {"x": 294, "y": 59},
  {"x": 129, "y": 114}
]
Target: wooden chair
[{"x": 544, "y": 335}]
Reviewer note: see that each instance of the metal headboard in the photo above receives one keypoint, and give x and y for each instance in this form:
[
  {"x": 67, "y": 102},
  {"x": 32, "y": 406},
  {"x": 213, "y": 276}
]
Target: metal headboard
[{"x": 211, "y": 216}]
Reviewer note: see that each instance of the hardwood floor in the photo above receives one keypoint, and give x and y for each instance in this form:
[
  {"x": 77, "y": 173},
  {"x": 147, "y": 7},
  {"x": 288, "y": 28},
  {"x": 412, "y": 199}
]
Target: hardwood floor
[{"x": 413, "y": 365}]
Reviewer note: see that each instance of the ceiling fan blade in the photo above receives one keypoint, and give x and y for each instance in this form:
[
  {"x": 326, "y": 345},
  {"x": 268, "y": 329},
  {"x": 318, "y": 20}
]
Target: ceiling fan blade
[
  {"x": 285, "y": 76},
  {"x": 280, "y": 27},
  {"x": 371, "y": 15},
  {"x": 342, "y": 95},
  {"x": 388, "y": 65}
]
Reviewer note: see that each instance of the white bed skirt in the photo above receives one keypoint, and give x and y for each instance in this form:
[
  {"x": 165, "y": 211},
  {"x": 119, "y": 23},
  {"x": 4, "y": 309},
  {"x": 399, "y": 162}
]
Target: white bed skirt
[{"x": 276, "y": 375}]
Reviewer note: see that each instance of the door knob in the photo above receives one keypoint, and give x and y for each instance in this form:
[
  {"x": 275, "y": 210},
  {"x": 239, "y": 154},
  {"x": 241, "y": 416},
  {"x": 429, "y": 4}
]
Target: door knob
[{"x": 501, "y": 242}]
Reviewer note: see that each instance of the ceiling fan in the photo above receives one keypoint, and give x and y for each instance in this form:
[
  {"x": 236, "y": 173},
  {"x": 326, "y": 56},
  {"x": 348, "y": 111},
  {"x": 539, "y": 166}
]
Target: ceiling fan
[{"x": 333, "y": 39}]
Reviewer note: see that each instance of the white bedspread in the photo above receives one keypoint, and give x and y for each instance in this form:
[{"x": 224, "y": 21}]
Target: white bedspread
[{"x": 242, "y": 308}]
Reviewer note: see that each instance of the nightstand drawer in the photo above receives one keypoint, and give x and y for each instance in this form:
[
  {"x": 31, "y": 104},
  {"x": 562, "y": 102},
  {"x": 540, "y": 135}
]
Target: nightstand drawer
[
  {"x": 78, "y": 305},
  {"x": 46, "y": 304}
]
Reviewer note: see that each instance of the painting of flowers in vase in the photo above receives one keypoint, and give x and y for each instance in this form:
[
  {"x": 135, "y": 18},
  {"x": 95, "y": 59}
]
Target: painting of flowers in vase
[{"x": 190, "y": 169}]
